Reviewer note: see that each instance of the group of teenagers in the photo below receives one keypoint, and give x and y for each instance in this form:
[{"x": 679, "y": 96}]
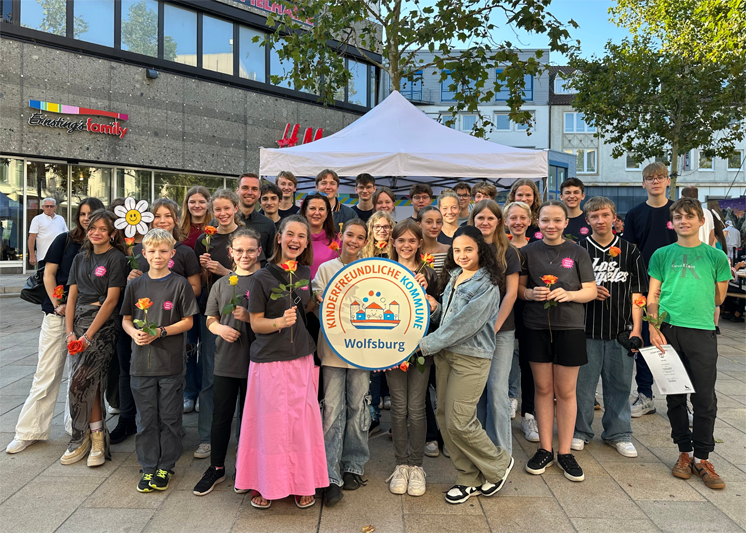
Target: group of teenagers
[{"x": 541, "y": 298}]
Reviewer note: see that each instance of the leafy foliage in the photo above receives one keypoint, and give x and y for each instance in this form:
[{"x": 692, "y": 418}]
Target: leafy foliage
[
  {"x": 399, "y": 30},
  {"x": 140, "y": 32}
]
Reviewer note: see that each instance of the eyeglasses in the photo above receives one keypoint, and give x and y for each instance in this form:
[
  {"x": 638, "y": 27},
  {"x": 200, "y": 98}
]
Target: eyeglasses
[
  {"x": 652, "y": 179},
  {"x": 421, "y": 197},
  {"x": 49, "y": 206},
  {"x": 464, "y": 196},
  {"x": 381, "y": 228}
]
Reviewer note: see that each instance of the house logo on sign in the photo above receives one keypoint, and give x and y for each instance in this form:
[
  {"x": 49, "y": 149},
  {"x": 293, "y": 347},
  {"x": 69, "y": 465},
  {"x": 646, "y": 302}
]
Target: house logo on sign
[
  {"x": 40, "y": 119},
  {"x": 373, "y": 313}
]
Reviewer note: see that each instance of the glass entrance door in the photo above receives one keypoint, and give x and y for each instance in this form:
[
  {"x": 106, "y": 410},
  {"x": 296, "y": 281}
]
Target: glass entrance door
[{"x": 11, "y": 210}]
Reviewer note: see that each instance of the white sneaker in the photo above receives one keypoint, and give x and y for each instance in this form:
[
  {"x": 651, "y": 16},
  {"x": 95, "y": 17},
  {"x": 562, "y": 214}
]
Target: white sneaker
[
  {"x": 18, "y": 445},
  {"x": 513, "y": 408},
  {"x": 416, "y": 481},
  {"x": 577, "y": 444},
  {"x": 446, "y": 452},
  {"x": 399, "y": 480},
  {"x": 188, "y": 405},
  {"x": 431, "y": 448},
  {"x": 111, "y": 410},
  {"x": 530, "y": 429},
  {"x": 387, "y": 402},
  {"x": 642, "y": 406},
  {"x": 626, "y": 449},
  {"x": 196, "y": 405},
  {"x": 203, "y": 451}
]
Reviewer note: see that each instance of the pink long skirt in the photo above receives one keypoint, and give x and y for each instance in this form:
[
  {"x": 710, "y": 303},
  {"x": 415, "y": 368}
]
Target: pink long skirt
[{"x": 281, "y": 450}]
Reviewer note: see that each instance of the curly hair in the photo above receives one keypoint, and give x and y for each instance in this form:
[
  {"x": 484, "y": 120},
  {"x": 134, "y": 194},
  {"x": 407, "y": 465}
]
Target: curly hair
[{"x": 487, "y": 259}]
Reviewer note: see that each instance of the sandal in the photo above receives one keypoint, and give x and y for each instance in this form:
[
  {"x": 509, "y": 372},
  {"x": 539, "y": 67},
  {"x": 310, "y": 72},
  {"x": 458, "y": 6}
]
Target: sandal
[
  {"x": 306, "y": 506},
  {"x": 254, "y": 494}
]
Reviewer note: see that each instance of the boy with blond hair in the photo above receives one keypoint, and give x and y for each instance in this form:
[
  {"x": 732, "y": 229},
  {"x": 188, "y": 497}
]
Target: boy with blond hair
[
  {"x": 162, "y": 304},
  {"x": 691, "y": 278}
]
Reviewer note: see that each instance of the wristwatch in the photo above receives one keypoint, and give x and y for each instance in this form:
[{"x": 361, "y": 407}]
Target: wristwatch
[{"x": 163, "y": 332}]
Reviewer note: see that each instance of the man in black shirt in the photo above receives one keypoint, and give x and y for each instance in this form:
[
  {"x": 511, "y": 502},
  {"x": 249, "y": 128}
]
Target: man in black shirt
[
  {"x": 288, "y": 184},
  {"x": 365, "y": 187},
  {"x": 249, "y": 190},
  {"x": 572, "y": 193},
  {"x": 648, "y": 226},
  {"x": 621, "y": 277},
  {"x": 270, "y": 202}
]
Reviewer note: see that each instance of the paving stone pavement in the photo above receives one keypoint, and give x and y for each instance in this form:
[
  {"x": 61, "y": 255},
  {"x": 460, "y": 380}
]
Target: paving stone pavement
[{"x": 38, "y": 494}]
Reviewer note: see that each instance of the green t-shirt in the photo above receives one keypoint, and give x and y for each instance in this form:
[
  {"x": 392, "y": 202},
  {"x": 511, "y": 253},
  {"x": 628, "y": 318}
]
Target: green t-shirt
[{"x": 688, "y": 277}]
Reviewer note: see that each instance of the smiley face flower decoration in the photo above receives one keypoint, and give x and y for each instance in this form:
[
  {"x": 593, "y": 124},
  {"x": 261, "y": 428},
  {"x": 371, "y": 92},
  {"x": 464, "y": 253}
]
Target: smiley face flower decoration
[
  {"x": 134, "y": 217},
  {"x": 287, "y": 290}
]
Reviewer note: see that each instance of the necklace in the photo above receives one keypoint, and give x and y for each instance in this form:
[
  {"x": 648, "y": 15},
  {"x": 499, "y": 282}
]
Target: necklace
[{"x": 547, "y": 254}]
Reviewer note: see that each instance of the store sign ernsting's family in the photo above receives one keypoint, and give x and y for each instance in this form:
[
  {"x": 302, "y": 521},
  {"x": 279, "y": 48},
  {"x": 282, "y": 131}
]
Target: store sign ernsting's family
[{"x": 72, "y": 125}]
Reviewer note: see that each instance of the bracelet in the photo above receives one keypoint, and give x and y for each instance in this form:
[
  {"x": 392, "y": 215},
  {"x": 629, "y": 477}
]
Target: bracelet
[
  {"x": 87, "y": 340},
  {"x": 524, "y": 294},
  {"x": 274, "y": 325},
  {"x": 68, "y": 335}
]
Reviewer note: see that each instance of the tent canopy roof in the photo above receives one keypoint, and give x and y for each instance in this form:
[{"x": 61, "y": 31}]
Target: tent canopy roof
[{"x": 397, "y": 139}]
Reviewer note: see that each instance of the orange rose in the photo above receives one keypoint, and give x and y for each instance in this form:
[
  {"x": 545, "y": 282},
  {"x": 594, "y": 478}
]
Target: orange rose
[
  {"x": 428, "y": 258},
  {"x": 640, "y": 302},
  {"x": 290, "y": 266},
  {"x": 510, "y": 237},
  {"x": 334, "y": 246},
  {"x": 75, "y": 347},
  {"x": 614, "y": 251},
  {"x": 129, "y": 241},
  {"x": 403, "y": 367},
  {"x": 210, "y": 230},
  {"x": 144, "y": 304},
  {"x": 59, "y": 292},
  {"x": 382, "y": 244},
  {"x": 549, "y": 280}
]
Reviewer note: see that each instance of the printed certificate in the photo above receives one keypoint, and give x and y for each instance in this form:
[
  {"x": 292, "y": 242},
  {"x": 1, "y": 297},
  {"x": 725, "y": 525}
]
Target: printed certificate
[{"x": 668, "y": 370}]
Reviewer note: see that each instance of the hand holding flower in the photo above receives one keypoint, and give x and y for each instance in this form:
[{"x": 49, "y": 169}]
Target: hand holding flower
[
  {"x": 228, "y": 334},
  {"x": 241, "y": 314}
]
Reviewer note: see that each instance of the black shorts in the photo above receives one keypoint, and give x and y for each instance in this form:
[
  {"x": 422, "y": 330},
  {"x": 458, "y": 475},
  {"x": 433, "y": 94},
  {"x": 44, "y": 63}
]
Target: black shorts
[{"x": 567, "y": 347}]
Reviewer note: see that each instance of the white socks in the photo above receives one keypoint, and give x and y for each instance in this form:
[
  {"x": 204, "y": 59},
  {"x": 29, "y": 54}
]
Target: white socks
[{"x": 96, "y": 426}]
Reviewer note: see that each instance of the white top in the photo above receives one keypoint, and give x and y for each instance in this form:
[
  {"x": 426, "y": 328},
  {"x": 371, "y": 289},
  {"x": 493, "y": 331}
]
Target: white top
[
  {"x": 732, "y": 237},
  {"x": 709, "y": 225},
  {"x": 46, "y": 229},
  {"x": 324, "y": 275}
]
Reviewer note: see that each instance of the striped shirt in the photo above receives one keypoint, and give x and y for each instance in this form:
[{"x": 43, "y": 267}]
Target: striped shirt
[{"x": 622, "y": 276}]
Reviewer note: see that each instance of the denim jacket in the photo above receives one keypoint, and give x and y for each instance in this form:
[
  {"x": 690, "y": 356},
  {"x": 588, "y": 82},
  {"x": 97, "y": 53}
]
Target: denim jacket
[{"x": 468, "y": 327}]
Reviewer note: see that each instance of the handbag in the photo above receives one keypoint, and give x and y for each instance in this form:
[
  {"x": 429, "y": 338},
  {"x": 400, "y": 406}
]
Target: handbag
[{"x": 33, "y": 290}]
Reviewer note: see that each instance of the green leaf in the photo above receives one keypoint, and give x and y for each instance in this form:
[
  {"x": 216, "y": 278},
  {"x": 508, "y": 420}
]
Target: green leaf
[
  {"x": 276, "y": 296},
  {"x": 277, "y": 290},
  {"x": 229, "y": 308},
  {"x": 139, "y": 323},
  {"x": 420, "y": 360}
]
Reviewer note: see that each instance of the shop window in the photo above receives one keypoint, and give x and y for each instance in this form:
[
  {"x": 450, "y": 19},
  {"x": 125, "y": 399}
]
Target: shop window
[
  {"x": 251, "y": 58},
  {"x": 279, "y": 67},
  {"x": 89, "y": 182},
  {"x": 217, "y": 45},
  {"x": 357, "y": 88},
  {"x": 175, "y": 186},
  {"x": 49, "y": 16},
  {"x": 6, "y": 11},
  {"x": 98, "y": 18},
  {"x": 735, "y": 160},
  {"x": 134, "y": 183},
  {"x": 140, "y": 27},
  {"x": 180, "y": 35},
  {"x": 11, "y": 209}
]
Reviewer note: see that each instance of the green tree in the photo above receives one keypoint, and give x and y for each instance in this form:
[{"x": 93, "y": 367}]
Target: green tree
[
  {"x": 140, "y": 32},
  {"x": 399, "y": 30},
  {"x": 55, "y": 18},
  {"x": 648, "y": 102}
]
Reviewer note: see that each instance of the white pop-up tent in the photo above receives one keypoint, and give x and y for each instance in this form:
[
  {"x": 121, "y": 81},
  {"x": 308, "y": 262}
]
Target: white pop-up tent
[{"x": 397, "y": 139}]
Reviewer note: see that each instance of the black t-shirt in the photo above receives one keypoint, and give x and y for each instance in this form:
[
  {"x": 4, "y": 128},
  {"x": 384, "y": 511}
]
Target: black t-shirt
[
  {"x": 173, "y": 299},
  {"x": 572, "y": 266},
  {"x": 363, "y": 215},
  {"x": 513, "y": 265},
  {"x": 63, "y": 258},
  {"x": 649, "y": 228},
  {"x": 276, "y": 346},
  {"x": 534, "y": 234},
  {"x": 621, "y": 275},
  {"x": 218, "y": 252},
  {"x": 95, "y": 274},
  {"x": 578, "y": 228},
  {"x": 184, "y": 262},
  {"x": 231, "y": 358},
  {"x": 445, "y": 239},
  {"x": 266, "y": 229},
  {"x": 284, "y": 213}
]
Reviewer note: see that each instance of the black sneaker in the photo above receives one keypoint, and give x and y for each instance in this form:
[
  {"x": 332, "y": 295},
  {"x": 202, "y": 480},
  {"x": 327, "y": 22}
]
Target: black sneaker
[
  {"x": 352, "y": 481},
  {"x": 333, "y": 495},
  {"x": 160, "y": 479},
  {"x": 210, "y": 478},
  {"x": 375, "y": 427},
  {"x": 572, "y": 469},
  {"x": 540, "y": 461},
  {"x": 124, "y": 429},
  {"x": 144, "y": 485}
]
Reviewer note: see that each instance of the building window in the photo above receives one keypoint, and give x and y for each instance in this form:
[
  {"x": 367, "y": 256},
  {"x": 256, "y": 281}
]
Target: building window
[
  {"x": 585, "y": 160},
  {"x": 444, "y": 120},
  {"x": 357, "y": 88},
  {"x": 524, "y": 127},
  {"x": 175, "y": 186},
  {"x": 502, "y": 122},
  {"x": 412, "y": 90},
  {"x": 217, "y": 45},
  {"x": 631, "y": 164},
  {"x": 705, "y": 163},
  {"x": 279, "y": 67},
  {"x": 6, "y": 11},
  {"x": 575, "y": 123},
  {"x": 468, "y": 122},
  {"x": 98, "y": 18},
  {"x": 134, "y": 183},
  {"x": 251, "y": 58},
  {"x": 560, "y": 84},
  {"x": 140, "y": 27},
  {"x": 446, "y": 94},
  {"x": 50, "y": 17},
  {"x": 179, "y": 35},
  {"x": 735, "y": 160},
  {"x": 528, "y": 90}
]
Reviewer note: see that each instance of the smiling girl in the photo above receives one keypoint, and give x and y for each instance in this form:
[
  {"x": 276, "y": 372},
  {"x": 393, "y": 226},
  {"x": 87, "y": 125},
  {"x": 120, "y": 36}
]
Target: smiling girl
[
  {"x": 526, "y": 191},
  {"x": 449, "y": 208},
  {"x": 97, "y": 277},
  {"x": 380, "y": 226},
  {"x": 197, "y": 214},
  {"x": 346, "y": 412},
  {"x": 281, "y": 449},
  {"x": 431, "y": 221},
  {"x": 559, "y": 273}
]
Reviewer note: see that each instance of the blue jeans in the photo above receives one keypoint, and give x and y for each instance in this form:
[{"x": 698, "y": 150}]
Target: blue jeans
[
  {"x": 207, "y": 356},
  {"x": 493, "y": 409},
  {"x": 644, "y": 378},
  {"x": 379, "y": 388},
  {"x": 515, "y": 373},
  {"x": 194, "y": 363},
  {"x": 346, "y": 419},
  {"x": 610, "y": 361}
]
